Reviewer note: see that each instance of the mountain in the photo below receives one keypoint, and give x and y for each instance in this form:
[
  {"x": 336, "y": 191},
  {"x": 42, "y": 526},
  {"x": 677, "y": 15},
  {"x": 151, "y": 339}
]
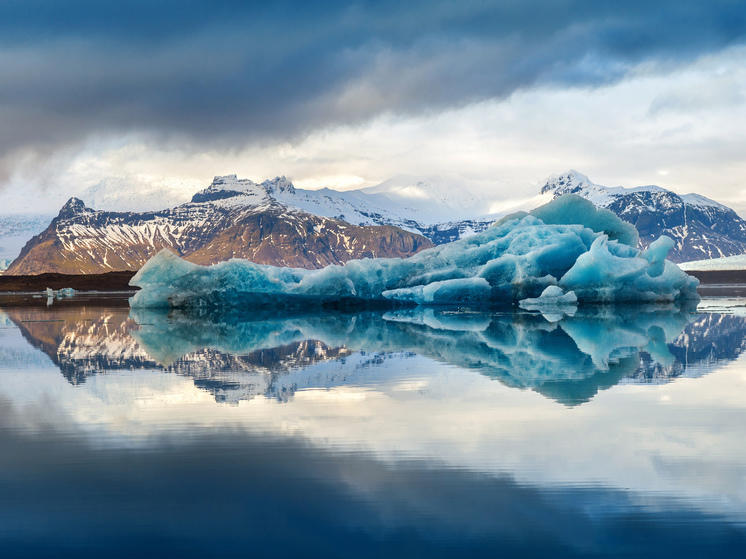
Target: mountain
[
  {"x": 435, "y": 208},
  {"x": 701, "y": 228},
  {"x": 274, "y": 222},
  {"x": 231, "y": 218}
]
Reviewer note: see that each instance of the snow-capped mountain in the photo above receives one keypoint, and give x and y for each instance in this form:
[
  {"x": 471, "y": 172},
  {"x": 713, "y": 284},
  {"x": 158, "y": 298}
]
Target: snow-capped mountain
[
  {"x": 273, "y": 222},
  {"x": 434, "y": 208},
  {"x": 231, "y": 218},
  {"x": 701, "y": 228}
]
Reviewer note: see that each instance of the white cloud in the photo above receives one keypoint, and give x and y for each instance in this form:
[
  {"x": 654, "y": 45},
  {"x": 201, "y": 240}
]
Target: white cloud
[{"x": 683, "y": 130}]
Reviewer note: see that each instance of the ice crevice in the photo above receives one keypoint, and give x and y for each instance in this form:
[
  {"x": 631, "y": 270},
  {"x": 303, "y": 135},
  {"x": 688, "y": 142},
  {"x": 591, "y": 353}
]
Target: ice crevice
[{"x": 568, "y": 244}]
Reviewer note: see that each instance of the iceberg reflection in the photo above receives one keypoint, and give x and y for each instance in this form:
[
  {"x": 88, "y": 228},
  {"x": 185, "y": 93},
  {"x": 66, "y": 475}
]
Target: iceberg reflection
[
  {"x": 568, "y": 360},
  {"x": 237, "y": 356}
]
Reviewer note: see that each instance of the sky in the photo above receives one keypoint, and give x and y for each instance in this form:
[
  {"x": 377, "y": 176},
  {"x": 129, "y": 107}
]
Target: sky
[{"x": 141, "y": 103}]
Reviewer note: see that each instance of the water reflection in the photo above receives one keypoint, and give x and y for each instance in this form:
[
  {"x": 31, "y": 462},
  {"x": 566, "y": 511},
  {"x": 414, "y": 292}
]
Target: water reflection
[
  {"x": 238, "y": 356},
  {"x": 371, "y": 433}
]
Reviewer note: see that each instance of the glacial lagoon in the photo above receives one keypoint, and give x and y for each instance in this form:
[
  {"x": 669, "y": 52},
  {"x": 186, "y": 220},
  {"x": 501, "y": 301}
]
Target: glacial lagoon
[{"x": 408, "y": 432}]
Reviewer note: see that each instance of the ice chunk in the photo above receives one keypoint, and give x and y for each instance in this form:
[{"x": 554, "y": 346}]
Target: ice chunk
[
  {"x": 571, "y": 209},
  {"x": 60, "y": 293},
  {"x": 608, "y": 272},
  {"x": 566, "y": 243},
  {"x": 656, "y": 254},
  {"x": 553, "y": 303},
  {"x": 552, "y": 296},
  {"x": 453, "y": 291}
]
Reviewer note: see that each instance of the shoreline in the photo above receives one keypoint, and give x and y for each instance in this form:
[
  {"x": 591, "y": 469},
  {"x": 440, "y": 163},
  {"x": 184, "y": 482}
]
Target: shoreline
[
  {"x": 712, "y": 283},
  {"x": 110, "y": 282},
  {"x": 719, "y": 277}
]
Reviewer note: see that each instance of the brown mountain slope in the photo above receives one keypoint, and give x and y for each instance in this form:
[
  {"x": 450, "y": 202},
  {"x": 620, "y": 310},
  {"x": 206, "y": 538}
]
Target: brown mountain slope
[{"x": 85, "y": 241}]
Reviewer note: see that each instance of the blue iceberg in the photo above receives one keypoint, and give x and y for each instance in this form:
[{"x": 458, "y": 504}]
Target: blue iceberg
[{"x": 568, "y": 243}]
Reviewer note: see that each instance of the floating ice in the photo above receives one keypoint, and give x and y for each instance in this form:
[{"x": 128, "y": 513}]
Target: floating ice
[
  {"x": 552, "y": 296},
  {"x": 553, "y": 303},
  {"x": 59, "y": 294},
  {"x": 567, "y": 243}
]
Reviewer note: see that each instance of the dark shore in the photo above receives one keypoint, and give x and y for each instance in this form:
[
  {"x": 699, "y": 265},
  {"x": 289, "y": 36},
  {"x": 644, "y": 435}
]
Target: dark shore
[
  {"x": 720, "y": 277},
  {"x": 721, "y": 283},
  {"x": 725, "y": 282},
  {"x": 111, "y": 281}
]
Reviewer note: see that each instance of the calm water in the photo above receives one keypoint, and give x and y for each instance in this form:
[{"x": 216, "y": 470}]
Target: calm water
[{"x": 411, "y": 433}]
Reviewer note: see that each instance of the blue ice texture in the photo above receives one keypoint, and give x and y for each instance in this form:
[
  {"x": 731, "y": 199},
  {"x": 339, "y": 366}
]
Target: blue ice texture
[{"x": 568, "y": 243}]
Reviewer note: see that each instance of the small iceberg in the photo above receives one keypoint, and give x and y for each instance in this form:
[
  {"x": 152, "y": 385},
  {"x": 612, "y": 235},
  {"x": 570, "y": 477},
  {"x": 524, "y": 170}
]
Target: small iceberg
[
  {"x": 569, "y": 244},
  {"x": 64, "y": 292},
  {"x": 552, "y": 296},
  {"x": 59, "y": 294},
  {"x": 553, "y": 303}
]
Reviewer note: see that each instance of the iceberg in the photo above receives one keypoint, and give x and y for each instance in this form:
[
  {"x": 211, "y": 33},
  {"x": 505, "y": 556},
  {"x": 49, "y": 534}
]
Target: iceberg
[{"x": 568, "y": 243}]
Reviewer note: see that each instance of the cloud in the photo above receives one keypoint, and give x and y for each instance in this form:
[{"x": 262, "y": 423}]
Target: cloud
[
  {"x": 233, "y": 72},
  {"x": 155, "y": 98}
]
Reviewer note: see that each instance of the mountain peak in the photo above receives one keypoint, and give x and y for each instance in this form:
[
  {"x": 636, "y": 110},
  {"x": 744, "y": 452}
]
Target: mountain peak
[
  {"x": 568, "y": 182},
  {"x": 224, "y": 179},
  {"x": 699, "y": 226},
  {"x": 73, "y": 207},
  {"x": 230, "y": 186},
  {"x": 278, "y": 184}
]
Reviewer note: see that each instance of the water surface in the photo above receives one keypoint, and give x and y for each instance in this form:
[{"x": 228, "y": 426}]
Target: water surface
[{"x": 614, "y": 432}]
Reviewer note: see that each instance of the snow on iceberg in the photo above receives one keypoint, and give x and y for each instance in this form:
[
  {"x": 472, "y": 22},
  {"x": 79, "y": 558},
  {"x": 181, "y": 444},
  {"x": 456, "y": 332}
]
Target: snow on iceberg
[{"x": 567, "y": 243}]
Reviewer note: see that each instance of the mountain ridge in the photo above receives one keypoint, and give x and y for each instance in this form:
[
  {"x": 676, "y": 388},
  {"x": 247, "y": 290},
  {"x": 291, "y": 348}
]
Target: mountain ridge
[
  {"x": 700, "y": 227},
  {"x": 84, "y": 240},
  {"x": 383, "y": 204},
  {"x": 274, "y": 222}
]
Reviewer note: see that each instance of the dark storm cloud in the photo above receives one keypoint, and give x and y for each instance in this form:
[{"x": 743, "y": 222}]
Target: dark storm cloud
[{"x": 224, "y": 73}]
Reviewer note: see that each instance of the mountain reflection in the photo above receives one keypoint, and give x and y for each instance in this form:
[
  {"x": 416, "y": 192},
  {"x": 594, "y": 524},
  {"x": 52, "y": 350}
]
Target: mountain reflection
[{"x": 239, "y": 356}]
